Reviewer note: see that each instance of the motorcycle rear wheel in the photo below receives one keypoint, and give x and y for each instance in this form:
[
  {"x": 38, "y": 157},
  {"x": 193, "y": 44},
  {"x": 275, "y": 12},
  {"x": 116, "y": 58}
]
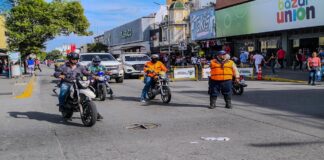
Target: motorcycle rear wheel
[
  {"x": 150, "y": 94},
  {"x": 238, "y": 90},
  {"x": 89, "y": 117},
  {"x": 166, "y": 97},
  {"x": 67, "y": 114}
]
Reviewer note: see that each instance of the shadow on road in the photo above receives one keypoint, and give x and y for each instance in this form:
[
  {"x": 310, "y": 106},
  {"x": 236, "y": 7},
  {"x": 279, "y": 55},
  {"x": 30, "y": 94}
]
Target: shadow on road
[
  {"x": 158, "y": 102},
  {"x": 40, "y": 116},
  {"x": 284, "y": 144}
]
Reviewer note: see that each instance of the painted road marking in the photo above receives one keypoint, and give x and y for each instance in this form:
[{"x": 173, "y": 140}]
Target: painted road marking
[{"x": 28, "y": 92}]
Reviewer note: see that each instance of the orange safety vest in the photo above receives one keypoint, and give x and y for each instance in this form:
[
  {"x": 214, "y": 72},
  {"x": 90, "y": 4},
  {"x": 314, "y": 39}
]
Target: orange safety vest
[
  {"x": 156, "y": 67},
  {"x": 221, "y": 73}
]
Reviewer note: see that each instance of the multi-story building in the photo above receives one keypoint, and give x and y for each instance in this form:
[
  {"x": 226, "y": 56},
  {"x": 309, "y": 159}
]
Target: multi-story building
[
  {"x": 267, "y": 25},
  {"x": 3, "y": 41}
]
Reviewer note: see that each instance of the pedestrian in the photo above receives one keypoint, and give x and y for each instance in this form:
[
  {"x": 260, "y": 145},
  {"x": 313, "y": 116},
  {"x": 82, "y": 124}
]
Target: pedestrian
[
  {"x": 243, "y": 59},
  {"x": 321, "y": 55},
  {"x": 313, "y": 64},
  {"x": 31, "y": 65},
  {"x": 281, "y": 57},
  {"x": 220, "y": 81},
  {"x": 37, "y": 65},
  {"x": 258, "y": 60},
  {"x": 299, "y": 60},
  {"x": 272, "y": 61}
]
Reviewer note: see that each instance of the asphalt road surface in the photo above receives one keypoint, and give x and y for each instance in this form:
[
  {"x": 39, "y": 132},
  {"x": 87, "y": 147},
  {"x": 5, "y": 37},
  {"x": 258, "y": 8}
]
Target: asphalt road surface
[{"x": 271, "y": 121}]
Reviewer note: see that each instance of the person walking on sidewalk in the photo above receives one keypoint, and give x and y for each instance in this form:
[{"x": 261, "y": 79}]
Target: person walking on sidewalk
[
  {"x": 281, "y": 56},
  {"x": 37, "y": 65},
  {"x": 313, "y": 64},
  {"x": 299, "y": 60},
  {"x": 220, "y": 81},
  {"x": 272, "y": 61},
  {"x": 258, "y": 59},
  {"x": 31, "y": 65},
  {"x": 321, "y": 55}
]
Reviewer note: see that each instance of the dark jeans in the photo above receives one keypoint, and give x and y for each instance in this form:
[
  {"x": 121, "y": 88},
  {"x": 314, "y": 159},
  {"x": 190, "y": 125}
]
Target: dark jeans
[
  {"x": 148, "y": 81},
  {"x": 64, "y": 90},
  {"x": 300, "y": 64},
  {"x": 272, "y": 65},
  {"x": 220, "y": 87},
  {"x": 37, "y": 67},
  {"x": 280, "y": 61},
  {"x": 312, "y": 75}
]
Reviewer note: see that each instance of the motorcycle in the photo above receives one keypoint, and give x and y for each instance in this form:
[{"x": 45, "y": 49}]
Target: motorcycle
[
  {"x": 160, "y": 86},
  {"x": 101, "y": 86},
  {"x": 238, "y": 87},
  {"x": 79, "y": 99}
]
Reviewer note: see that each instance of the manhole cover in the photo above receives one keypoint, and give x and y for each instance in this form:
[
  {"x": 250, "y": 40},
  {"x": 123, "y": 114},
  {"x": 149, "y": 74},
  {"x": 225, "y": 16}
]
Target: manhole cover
[
  {"x": 6, "y": 94},
  {"x": 143, "y": 126}
]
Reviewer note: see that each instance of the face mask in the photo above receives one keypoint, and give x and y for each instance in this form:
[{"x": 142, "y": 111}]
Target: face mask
[{"x": 72, "y": 62}]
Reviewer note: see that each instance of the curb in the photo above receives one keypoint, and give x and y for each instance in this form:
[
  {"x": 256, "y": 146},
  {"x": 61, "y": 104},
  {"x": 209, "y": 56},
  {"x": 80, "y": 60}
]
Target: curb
[{"x": 274, "y": 79}]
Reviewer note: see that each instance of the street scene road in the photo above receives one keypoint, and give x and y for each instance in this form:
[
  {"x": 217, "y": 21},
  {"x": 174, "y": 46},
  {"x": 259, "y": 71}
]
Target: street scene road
[{"x": 271, "y": 120}]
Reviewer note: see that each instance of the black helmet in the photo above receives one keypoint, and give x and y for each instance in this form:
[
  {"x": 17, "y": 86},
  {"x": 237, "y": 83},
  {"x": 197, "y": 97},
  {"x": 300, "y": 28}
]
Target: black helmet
[
  {"x": 73, "y": 56},
  {"x": 96, "y": 60}
]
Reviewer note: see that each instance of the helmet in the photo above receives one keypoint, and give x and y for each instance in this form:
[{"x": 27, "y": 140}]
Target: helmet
[
  {"x": 96, "y": 60},
  {"x": 221, "y": 53},
  {"x": 73, "y": 56},
  {"x": 154, "y": 56}
]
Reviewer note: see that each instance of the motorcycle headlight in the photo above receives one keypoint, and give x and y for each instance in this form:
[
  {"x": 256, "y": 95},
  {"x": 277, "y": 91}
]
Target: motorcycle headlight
[
  {"x": 84, "y": 84},
  {"x": 101, "y": 78}
]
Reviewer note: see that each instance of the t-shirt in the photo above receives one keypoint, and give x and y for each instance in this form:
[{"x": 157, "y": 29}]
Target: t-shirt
[
  {"x": 281, "y": 54},
  {"x": 314, "y": 62},
  {"x": 321, "y": 55},
  {"x": 258, "y": 58},
  {"x": 30, "y": 62},
  {"x": 243, "y": 57}
]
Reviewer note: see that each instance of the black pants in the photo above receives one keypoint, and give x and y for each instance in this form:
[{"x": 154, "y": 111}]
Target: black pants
[
  {"x": 280, "y": 61},
  {"x": 300, "y": 64},
  {"x": 37, "y": 67}
]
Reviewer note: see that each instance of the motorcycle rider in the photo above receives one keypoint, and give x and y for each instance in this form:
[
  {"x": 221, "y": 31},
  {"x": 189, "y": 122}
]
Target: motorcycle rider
[
  {"x": 151, "y": 69},
  {"x": 96, "y": 67},
  {"x": 67, "y": 73},
  {"x": 220, "y": 81}
]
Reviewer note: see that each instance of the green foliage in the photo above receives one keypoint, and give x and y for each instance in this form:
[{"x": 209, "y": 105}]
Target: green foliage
[
  {"x": 55, "y": 54},
  {"x": 33, "y": 22},
  {"x": 97, "y": 47}
]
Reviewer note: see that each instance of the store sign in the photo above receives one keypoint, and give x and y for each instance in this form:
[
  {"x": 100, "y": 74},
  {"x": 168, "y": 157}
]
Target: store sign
[
  {"x": 269, "y": 15},
  {"x": 184, "y": 73},
  {"x": 205, "y": 73},
  {"x": 203, "y": 24},
  {"x": 126, "y": 33}
]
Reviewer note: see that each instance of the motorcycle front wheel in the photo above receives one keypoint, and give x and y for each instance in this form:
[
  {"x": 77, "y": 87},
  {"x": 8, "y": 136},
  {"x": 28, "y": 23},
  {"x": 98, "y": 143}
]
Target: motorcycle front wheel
[
  {"x": 166, "y": 95},
  {"x": 89, "y": 116},
  {"x": 102, "y": 93}
]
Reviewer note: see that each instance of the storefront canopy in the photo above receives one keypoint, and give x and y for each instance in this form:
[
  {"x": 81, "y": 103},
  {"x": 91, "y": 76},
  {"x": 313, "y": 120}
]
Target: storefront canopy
[{"x": 3, "y": 55}]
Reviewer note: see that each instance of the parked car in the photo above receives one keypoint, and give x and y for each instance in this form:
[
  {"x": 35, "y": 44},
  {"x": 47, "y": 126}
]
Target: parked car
[
  {"x": 133, "y": 64},
  {"x": 108, "y": 61},
  {"x": 58, "y": 63}
]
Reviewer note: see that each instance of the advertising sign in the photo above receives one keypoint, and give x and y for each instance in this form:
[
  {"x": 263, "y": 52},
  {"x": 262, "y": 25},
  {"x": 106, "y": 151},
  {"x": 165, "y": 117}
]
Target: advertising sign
[
  {"x": 247, "y": 72},
  {"x": 184, "y": 73},
  {"x": 203, "y": 24},
  {"x": 14, "y": 56},
  {"x": 269, "y": 15}
]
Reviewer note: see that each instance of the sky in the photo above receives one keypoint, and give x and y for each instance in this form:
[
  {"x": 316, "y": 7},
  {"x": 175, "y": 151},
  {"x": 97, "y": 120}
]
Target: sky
[{"x": 104, "y": 15}]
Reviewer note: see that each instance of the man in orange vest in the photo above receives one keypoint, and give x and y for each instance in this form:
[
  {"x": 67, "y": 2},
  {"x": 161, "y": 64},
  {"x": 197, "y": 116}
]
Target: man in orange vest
[
  {"x": 220, "y": 80},
  {"x": 151, "y": 69}
]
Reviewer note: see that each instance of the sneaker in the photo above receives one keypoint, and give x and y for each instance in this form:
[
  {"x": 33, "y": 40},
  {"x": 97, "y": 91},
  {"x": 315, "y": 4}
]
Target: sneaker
[
  {"x": 99, "y": 117},
  {"x": 143, "y": 101}
]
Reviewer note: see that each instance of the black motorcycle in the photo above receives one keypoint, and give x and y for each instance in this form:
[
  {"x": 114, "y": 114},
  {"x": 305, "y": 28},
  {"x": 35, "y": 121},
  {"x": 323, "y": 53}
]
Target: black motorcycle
[
  {"x": 238, "y": 87},
  {"x": 79, "y": 99},
  {"x": 101, "y": 87},
  {"x": 160, "y": 86}
]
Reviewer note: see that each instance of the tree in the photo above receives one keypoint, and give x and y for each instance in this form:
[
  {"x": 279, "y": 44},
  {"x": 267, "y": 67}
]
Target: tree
[
  {"x": 55, "y": 54},
  {"x": 97, "y": 47},
  {"x": 33, "y": 22}
]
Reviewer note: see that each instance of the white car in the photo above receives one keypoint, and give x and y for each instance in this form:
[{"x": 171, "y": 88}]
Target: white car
[
  {"x": 134, "y": 64},
  {"x": 108, "y": 61}
]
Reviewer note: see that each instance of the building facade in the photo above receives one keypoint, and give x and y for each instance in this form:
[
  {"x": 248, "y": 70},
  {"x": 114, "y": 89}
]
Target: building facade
[
  {"x": 3, "y": 41},
  {"x": 265, "y": 25}
]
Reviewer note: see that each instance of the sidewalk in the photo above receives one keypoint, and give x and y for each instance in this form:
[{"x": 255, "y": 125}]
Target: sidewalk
[
  {"x": 9, "y": 88},
  {"x": 287, "y": 75}
]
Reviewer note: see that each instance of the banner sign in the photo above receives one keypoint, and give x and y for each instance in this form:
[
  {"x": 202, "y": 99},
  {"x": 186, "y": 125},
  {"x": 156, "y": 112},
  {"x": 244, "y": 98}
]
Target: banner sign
[
  {"x": 14, "y": 56},
  {"x": 203, "y": 24},
  {"x": 184, "y": 73},
  {"x": 247, "y": 72},
  {"x": 269, "y": 15}
]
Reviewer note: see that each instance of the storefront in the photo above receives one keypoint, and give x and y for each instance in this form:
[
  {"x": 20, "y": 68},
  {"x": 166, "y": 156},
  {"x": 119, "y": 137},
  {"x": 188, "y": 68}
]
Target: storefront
[
  {"x": 264, "y": 24},
  {"x": 203, "y": 31},
  {"x": 131, "y": 37}
]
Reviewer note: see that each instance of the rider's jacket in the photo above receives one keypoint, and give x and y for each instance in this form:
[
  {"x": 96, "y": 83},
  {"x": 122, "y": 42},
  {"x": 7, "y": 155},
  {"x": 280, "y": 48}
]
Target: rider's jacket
[
  {"x": 155, "y": 67},
  {"x": 223, "y": 71},
  {"x": 70, "y": 74},
  {"x": 95, "y": 69}
]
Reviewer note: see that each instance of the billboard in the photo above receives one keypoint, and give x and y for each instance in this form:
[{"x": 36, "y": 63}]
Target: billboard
[
  {"x": 269, "y": 15},
  {"x": 203, "y": 24}
]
